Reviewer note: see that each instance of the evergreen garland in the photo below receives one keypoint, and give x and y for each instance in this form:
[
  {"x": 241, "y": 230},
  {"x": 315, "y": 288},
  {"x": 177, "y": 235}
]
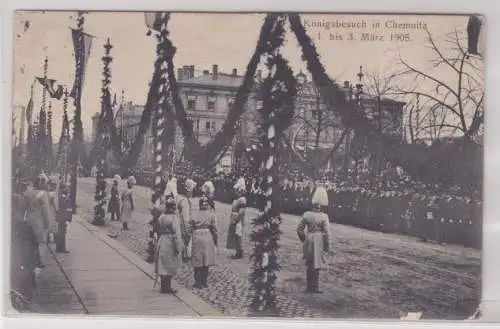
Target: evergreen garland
[
  {"x": 278, "y": 96},
  {"x": 163, "y": 119},
  {"x": 49, "y": 147},
  {"x": 102, "y": 140},
  {"x": 412, "y": 158},
  {"x": 209, "y": 154},
  {"x": 62, "y": 153},
  {"x": 77, "y": 147},
  {"x": 42, "y": 142},
  {"x": 152, "y": 99}
]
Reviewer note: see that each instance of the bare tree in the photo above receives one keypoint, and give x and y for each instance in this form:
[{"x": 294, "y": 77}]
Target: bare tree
[
  {"x": 451, "y": 90},
  {"x": 314, "y": 126}
]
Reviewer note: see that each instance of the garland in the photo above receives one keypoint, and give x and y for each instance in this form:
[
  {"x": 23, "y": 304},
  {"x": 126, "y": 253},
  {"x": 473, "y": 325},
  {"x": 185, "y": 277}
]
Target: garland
[
  {"x": 102, "y": 139},
  {"x": 50, "y": 151},
  {"x": 42, "y": 142},
  {"x": 394, "y": 150},
  {"x": 136, "y": 147},
  {"x": 278, "y": 96},
  {"x": 62, "y": 153},
  {"x": 161, "y": 139},
  {"x": 209, "y": 153},
  {"x": 77, "y": 142}
]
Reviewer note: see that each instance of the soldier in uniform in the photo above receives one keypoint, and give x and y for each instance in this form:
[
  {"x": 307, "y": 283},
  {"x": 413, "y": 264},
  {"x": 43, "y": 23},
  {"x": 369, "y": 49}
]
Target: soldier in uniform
[
  {"x": 208, "y": 190},
  {"x": 127, "y": 199},
  {"x": 114, "y": 200},
  {"x": 53, "y": 203},
  {"x": 38, "y": 212},
  {"x": 183, "y": 211},
  {"x": 64, "y": 215},
  {"x": 203, "y": 232},
  {"x": 313, "y": 232},
  {"x": 169, "y": 247},
  {"x": 237, "y": 220}
]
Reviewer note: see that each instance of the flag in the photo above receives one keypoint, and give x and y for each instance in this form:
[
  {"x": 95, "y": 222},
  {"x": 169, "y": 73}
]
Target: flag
[
  {"x": 49, "y": 85},
  {"x": 29, "y": 111},
  {"x": 476, "y": 35},
  {"x": 153, "y": 20},
  {"x": 81, "y": 55}
]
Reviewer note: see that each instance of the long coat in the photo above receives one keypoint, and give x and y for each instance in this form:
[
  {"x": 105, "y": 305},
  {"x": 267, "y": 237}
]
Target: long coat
[
  {"x": 236, "y": 224},
  {"x": 184, "y": 209},
  {"x": 203, "y": 230},
  {"x": 169, "y": 247},
  {"x": 313, "y": 232},
  {"x": 24, "y": 249},
  {"x": 127, "y": 206},
  {"x": 53, "y": 206},
  {"x": 38, "y": 213},
  {"x": 114, "y": 200}
]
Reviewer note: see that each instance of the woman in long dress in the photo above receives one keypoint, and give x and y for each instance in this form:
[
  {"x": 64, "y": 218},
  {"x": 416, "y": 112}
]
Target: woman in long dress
[
  {"x": 236, "y": 228},
  {"x": 114, "y": 200},
  {"x": 169, "y": 246},
  {"x": 203, "y": 232},
  {"x": 313, "y": 232},
  {"x": 127, "y": 203}
]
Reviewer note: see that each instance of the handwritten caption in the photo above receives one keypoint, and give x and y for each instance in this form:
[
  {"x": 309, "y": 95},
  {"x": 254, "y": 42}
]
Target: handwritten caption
[{"x": 387, "y": 30}]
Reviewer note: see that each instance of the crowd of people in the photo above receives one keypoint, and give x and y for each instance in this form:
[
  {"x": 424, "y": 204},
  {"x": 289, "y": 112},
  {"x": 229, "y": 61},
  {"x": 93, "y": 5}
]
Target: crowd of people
[
  {"x": 394, "y": 204},
  {"x": 41, "y": 210},
  {"x": 182, "y": 231}
]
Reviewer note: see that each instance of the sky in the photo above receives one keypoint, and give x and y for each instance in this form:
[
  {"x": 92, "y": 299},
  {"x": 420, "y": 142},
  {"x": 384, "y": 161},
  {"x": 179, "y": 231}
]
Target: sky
[{"x": 203, "y": 39}]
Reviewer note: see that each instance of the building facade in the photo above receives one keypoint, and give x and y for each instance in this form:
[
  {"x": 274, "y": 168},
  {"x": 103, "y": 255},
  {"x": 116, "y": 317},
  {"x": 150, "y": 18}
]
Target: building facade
[
  {"x": 208, "y": 96},
  {"x": 207, "y": 99}
]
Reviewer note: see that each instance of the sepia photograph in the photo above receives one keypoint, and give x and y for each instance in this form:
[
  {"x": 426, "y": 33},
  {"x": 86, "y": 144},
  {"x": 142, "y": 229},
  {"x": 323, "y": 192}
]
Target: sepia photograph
[{"x": 269, "y": 165}]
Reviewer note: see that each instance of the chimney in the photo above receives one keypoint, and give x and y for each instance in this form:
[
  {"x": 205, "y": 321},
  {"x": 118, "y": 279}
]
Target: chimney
[
  {"x": 259, "y": 75},
  {"x": 235, "y": 72},
  {"x": 346, "y": 84},
  {"x": 215, "y": 71},
  {"x": 179, "y": 74},
  {"x": 206, "y": 72},
  {"x": 185, "y": 70}
]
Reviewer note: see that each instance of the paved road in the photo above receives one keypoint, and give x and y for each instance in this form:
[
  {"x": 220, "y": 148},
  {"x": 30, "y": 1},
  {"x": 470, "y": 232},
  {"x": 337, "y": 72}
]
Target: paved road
[{"x": 370, "y": 274}]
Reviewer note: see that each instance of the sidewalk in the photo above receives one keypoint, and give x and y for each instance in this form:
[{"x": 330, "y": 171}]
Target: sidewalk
[{"x": 101, "y": 277}]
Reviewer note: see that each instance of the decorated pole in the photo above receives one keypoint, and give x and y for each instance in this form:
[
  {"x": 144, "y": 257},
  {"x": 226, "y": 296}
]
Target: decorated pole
[
  {"x": 162, "y": 118},
  {"x": 41, "y": 143},
  {"x": 102, "y": 139},
  {"x": 77, "y": 142},
  {"x": 64, "y": 143},
  {"x": 278, "y": 94},
  {"x": 49, "y": 151}
]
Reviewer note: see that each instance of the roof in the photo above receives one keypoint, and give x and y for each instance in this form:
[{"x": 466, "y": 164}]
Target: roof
[{"x": 224, "y": 81}]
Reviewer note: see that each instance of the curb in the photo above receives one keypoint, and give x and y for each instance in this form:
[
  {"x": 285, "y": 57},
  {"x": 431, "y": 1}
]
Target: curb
[{"x": 198, "y": 305}]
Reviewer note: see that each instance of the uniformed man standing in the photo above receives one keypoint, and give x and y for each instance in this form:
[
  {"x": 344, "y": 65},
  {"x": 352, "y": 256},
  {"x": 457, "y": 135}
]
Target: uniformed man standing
[
  {"x": 313, "y": 232},
  {"x": 64, "y": 215},
  {"x": 235, "y": 233}
]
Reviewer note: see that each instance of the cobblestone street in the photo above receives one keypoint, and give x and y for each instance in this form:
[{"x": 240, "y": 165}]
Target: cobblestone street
[{"x": 370, "y": 274}]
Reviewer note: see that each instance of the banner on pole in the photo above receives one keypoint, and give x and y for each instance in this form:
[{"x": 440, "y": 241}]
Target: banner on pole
[{"x": 81, "y": 56}]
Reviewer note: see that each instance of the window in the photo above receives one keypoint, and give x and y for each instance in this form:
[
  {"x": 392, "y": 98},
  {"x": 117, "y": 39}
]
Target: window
[
  {"x": 314, "y": 114},
  {"x": 211, "y": 106},
  {"x": 211, "y": 103},
  {"x": 210, "y": 126},
  {"x": 191, "y": 103}
]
